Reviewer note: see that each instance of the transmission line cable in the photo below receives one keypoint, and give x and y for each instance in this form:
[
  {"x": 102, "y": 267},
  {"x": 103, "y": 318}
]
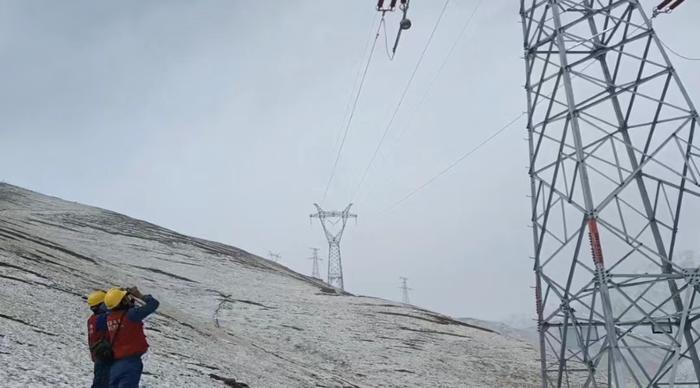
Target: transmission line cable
[
  {"x": 454, "y": 164},
  {"x": 386, "y": 41},
  {"x": 352, "y": 114},
  {"x": 466, "y": 25},
  {"x": 358, "y": 77},
  {"x": 676, "y": 53},
  {"x": 401, "y": 99}
]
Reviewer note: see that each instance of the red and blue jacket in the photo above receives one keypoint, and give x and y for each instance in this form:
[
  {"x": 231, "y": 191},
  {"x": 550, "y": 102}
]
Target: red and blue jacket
[
  {"x": 126, "y": 329},
  {"x": 97, "y": 328}
]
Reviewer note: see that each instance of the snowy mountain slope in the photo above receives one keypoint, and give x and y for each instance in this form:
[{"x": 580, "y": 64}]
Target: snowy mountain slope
[
  {"x": 525, "y": 334},
  {"x": 225, "y": 314}
]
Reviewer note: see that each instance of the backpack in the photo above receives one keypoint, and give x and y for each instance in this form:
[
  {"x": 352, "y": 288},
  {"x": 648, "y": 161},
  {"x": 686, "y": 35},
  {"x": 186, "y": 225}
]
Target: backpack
[{"x": 102, "y": 349}]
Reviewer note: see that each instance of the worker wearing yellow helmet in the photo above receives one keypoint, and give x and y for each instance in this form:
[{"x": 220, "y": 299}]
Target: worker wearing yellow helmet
[
  {"x": 129, "y": 307},
  {"x": 97, "y": 330}
]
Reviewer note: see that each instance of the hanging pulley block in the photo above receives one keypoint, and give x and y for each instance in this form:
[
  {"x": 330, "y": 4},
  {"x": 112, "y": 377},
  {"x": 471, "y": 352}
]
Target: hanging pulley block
[{"x": 385, "y": 6}]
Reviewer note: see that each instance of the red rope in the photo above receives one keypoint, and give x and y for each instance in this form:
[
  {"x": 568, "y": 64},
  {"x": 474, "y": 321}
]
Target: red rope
[{"x": 594, "y": 236}]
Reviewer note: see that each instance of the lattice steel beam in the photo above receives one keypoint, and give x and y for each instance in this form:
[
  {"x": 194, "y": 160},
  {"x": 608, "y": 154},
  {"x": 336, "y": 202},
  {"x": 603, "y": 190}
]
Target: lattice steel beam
[
  {"x": 612, "y": 160},
  {"x": 335, "y": 265}
]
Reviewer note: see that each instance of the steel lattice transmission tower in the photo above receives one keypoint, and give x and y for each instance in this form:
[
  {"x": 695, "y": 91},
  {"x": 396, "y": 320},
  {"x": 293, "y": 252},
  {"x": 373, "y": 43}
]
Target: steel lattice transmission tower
[
  {"x": 315, "y": 271},
  {"x": 612, "y": 159},
  {"x": 274, "y": 256},
  {"x": 404, "y": 290},
  {"x": 335, "y": 265}
]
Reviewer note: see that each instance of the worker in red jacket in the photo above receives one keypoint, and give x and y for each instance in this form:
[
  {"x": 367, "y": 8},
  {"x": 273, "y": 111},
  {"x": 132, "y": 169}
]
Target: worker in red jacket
[
  {"x": 125, "y": 327},
  {"x": 97, "y": 330}
]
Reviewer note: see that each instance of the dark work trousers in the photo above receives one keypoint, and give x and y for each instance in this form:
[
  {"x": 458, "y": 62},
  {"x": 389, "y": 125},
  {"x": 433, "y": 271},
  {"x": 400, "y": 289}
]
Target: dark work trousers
[
  {"x": 101, "y": 375},
  {"x": 126, "y": 373}
]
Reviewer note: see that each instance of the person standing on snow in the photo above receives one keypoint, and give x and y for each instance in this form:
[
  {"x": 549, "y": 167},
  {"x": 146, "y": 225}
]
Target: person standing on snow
[
  {"x": 97, "y": 330},
  {"x": 125, "y": 327}
]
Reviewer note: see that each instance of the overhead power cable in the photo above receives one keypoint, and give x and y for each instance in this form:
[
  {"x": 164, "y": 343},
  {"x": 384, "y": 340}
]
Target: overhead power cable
[
  {"x": 466, "y": 25},
  {"x": 401, "y": 99},
  {"x": 664, "y": 7},
  {"x": 386, "y": 41},
  {"x": 352, "y": 114},
  {"x": 358, "y": 77},
  {"x": 454, "y": 164},
  {"x": 676, "y": 53}
]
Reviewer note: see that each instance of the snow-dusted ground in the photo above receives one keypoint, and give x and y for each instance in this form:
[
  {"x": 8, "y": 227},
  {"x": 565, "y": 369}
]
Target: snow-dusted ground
[
  {"x": 224, "y": 313},
  {"x": 526, "y": 334}
]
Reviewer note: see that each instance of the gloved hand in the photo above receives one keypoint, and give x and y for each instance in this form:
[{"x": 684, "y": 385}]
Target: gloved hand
[{"x": 134, "y": 291}]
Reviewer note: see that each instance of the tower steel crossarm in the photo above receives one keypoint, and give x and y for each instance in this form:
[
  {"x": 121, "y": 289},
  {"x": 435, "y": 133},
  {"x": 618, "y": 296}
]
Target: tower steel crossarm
[{"x": 325, "y": 214}]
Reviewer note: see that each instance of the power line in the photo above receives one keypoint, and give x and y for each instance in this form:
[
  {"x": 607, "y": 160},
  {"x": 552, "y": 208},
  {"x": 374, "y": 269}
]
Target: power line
[
  {"x": 403, "y": 96},
  {"x": 676, "y": 53},
  {"x": 352, "y": 114},
  {"x": 450, "y": 52},
  {"x": 358, "y": 78},
  {"x": 386, "y": 40},
  {"x": 466, "y": 25},
  {"x": 455, "y": 163}
]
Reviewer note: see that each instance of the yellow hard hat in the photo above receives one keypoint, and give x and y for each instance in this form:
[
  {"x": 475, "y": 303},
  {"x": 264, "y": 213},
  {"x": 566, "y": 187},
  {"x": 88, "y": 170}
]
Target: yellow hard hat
[
  {"x": 96, "y": 297},
  {"x": 113, "y": 297}
]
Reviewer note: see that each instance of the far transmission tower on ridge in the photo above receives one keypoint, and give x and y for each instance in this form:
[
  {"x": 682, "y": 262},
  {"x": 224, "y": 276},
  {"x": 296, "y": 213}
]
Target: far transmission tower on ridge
[
  {"x": 315, "y": 272},
  {"x": 335, "y": 266},
  {"x": 274, "y": 256},
  {"x": 404, "y": 290}
]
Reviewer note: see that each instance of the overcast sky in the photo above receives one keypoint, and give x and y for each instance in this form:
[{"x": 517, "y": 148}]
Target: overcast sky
[{"x": 222, "y": 119}]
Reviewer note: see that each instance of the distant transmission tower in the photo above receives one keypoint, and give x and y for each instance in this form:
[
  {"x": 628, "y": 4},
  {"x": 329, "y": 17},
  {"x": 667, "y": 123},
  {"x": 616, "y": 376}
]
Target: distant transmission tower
[
  {"x": 612, "y": 158},
  {"x": 315, "y": 273},
  {"x": 335, "y": 265},
  {"x": 404, "y": 290},
  {"x": 274, "y": 256}
]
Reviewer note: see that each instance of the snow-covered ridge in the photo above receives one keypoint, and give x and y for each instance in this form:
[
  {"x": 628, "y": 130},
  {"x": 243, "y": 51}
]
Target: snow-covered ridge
[{"x": 225, "y": 314}]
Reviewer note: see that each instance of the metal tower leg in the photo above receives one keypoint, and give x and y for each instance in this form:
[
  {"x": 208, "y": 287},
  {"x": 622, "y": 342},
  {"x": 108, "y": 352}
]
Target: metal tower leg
[{"x": 335, "y": 265}]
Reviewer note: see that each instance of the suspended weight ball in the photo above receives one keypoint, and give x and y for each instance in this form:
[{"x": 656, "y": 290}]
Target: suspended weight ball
[{"x": 405, "y": 24}]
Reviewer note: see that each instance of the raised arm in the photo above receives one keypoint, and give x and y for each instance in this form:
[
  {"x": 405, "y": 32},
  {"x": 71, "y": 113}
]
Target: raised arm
[{"x": 137, "y": 314}]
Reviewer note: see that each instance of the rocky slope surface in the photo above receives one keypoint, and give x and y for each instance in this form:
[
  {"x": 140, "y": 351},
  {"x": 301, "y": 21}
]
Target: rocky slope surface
[{"x": 225, "y": 315}]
